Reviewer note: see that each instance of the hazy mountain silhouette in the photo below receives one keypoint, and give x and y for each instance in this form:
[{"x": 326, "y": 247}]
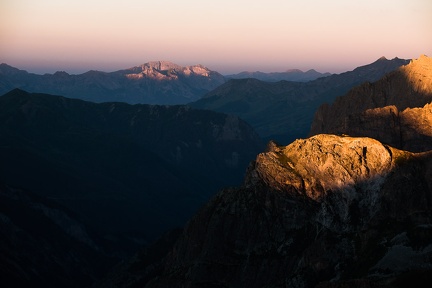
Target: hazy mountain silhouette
[
  {"x": 158, "y": 82},
  {"x": 284, "y": 111},
  {"x": 289, "y": 75}
]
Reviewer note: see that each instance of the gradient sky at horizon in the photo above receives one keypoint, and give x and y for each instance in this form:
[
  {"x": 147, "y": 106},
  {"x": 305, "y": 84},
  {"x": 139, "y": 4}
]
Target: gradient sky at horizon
[{"x": 228, "y": 36}]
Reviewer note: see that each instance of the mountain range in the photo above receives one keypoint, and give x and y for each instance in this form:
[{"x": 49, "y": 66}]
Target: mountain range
[
  {"x": 84, "y": 185},
  {"x": 326, "y": 211},
  {"x": 158, "y": 82},
  {"x": 283, "y": 111}
]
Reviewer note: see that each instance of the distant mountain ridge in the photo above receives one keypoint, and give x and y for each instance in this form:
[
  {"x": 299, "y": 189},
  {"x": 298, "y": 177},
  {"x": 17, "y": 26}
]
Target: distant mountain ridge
[
  {"x": 157, "y": 82},
  {"x": 400, "y": 101},
  {"x": 283, "y": 111},
  {"x": 289, "y": 75}
]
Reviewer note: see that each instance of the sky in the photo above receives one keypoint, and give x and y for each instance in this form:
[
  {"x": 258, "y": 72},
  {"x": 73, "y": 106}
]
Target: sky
[{"x": 228, "y": 36}]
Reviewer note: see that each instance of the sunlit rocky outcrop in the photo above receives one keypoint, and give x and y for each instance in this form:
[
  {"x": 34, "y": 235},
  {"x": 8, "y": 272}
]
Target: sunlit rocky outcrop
[{"x": 327, "y": 208}]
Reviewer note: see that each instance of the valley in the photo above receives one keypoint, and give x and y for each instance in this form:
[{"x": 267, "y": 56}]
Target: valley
[{"x": 146, "y": 195}]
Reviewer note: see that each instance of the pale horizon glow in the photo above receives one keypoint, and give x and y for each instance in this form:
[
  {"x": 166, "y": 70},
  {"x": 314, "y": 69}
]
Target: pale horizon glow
[{"x": 334, "y": 36}]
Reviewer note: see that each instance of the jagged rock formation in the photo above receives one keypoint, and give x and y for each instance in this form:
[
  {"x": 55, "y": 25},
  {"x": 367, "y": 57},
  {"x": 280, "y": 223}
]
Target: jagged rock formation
[
  {"x": 283, "y": 111},
  {"x": 395, "y": 110},
  {"x": 329, "y": 211},
  {"x": 122, "y": 167},
  {"x": 290, "y": 75},
  {"x": 158, "y": 82}
]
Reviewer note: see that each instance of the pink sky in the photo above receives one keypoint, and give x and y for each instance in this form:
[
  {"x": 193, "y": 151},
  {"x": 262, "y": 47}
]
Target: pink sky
[{"x": 227, "y": 36}]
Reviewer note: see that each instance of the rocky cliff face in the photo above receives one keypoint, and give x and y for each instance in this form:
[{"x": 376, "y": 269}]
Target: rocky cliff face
[
  {"x": 330, "y": 211},
  {"x": 158, "y": 82},
  {"x": 394, "y": 110}
]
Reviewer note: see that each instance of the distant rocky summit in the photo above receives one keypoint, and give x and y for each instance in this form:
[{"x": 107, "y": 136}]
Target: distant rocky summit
[
  {"x": 395, "y": 109},
  {"x": 158, "y": 82}
]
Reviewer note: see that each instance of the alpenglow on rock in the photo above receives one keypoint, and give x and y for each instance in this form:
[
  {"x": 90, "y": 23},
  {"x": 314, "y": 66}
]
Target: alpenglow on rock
[
  {"x": 321, "y": 164},
  {"x": 329, "y": 210},
  {"x": 157, "y": 82}
]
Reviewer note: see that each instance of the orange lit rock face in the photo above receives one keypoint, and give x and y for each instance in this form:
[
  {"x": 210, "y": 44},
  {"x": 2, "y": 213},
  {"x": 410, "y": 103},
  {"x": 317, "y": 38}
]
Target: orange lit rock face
[
  {"x": 419, "y": 74},
  {"x": 394, "y": 110},
  {"x": 417, "y": 122},
  {"x": 164, "y": 70},
  {"x": 324, "y": 163}
]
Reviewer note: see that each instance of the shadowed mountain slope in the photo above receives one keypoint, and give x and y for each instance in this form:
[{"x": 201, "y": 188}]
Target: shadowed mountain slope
[
  {"x": 396, "y": 109},
  {"x": 158, "y": 82},
  {"x": 284, "y": 111},
  {"x": 121, "y": 167}
]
